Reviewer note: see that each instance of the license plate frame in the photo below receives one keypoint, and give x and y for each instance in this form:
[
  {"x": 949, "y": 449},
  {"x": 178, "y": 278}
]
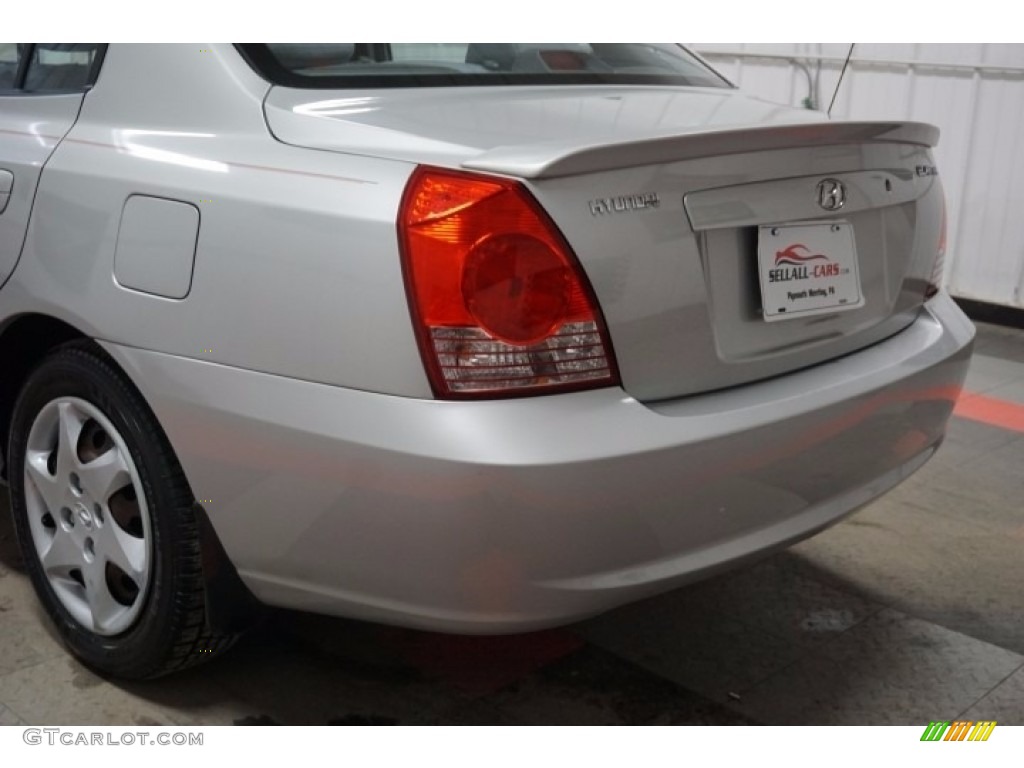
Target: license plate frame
[{"x": 807, "y": 269}]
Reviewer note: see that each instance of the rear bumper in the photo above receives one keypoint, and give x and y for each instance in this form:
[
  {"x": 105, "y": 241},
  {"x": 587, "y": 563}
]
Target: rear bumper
[{"x": 512, "y": 515}]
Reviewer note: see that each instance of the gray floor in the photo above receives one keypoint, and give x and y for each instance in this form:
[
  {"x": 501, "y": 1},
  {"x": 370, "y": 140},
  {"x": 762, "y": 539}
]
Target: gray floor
[{"x": 911, "y": 610}]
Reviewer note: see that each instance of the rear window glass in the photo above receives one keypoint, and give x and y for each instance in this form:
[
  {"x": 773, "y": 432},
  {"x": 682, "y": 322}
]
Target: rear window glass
[
  {"x": 381, "y": 65},
  {"x": 10, "y": 55},
  {"x": 41, "y": 68},
  {"x": 61, "y": 66}
]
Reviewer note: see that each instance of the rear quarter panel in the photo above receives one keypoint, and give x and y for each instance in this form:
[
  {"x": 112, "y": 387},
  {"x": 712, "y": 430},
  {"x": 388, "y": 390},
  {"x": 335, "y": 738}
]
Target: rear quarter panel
[{"x": 296, "y": 271}]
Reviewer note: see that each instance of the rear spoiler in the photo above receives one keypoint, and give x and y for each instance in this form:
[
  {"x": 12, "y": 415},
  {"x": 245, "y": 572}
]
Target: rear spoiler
[{"x": 567, "y": 158}]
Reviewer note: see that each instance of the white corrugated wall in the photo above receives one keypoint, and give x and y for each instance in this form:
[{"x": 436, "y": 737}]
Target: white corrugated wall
[{"x": 973, "y": 92}]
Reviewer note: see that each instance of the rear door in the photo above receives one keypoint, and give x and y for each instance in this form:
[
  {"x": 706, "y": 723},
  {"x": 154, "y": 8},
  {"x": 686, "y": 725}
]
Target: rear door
[{"x": 41, "y": 91}]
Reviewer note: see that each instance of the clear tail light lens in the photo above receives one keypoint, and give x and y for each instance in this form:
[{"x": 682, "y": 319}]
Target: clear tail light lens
[{"x": 500, "y": 304}]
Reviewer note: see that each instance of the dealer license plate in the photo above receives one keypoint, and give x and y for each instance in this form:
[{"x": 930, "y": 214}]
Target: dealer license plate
[{"x": 807, "y": 269}]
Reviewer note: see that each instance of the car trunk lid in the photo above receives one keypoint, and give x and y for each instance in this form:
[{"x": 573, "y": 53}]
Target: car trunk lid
[
  {"x": 665, "y": 195},
  {"x": 672, "y": 249}
]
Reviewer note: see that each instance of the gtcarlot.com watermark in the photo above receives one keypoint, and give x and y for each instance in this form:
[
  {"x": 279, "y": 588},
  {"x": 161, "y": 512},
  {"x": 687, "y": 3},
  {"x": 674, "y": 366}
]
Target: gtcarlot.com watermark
[{"x": 76, "y": 737}]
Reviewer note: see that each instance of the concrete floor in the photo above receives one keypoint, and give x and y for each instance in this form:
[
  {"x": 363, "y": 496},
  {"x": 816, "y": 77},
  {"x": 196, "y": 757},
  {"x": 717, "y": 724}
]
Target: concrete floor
[{"x": 911, "y": 610}]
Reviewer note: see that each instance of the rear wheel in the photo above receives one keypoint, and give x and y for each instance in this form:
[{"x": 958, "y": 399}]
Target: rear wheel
[{"x": 106, "y": 520}]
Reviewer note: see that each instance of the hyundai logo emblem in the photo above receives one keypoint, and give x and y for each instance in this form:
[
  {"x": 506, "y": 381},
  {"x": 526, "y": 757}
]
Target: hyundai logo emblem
[{"x": 831, "y": 194}]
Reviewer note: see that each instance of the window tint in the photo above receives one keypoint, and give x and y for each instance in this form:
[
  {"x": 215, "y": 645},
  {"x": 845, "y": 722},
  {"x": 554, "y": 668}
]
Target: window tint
[
  {"x": 10, "y": 55},
  {"x": 357, "y": 65},
  {"x": 61, "y": 67}
]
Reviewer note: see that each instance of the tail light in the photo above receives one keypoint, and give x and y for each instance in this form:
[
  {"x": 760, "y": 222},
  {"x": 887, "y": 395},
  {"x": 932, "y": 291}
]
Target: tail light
[
  {"x": 935, "y": 283},
  {"x": 500, "y": 304}
]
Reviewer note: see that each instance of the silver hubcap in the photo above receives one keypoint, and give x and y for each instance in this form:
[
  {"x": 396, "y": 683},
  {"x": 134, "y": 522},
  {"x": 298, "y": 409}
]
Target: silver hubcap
[{"x": 88, "y": 516}]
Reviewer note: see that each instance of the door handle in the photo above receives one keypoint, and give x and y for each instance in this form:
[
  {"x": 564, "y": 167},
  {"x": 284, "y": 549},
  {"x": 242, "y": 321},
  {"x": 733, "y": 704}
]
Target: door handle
[{"x": 6, "y": 184}]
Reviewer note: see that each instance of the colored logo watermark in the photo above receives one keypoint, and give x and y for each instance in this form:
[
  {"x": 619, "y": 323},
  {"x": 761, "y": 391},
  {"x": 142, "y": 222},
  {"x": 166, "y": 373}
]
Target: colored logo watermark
[
  {"x": 794, "y": 262},
  {"x": 958, "y": 730},
  {"x": 792, "y": 255}
]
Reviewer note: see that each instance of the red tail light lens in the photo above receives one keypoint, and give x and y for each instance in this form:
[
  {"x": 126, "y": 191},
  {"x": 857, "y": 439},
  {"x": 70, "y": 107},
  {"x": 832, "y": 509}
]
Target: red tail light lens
[
  {"x": 499, "y": 301},
  {"x": 516, "y": 287}
]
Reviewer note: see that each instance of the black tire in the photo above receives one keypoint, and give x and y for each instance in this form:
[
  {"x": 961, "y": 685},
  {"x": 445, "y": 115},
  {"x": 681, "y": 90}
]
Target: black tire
[{"x": 169, "y": 630}]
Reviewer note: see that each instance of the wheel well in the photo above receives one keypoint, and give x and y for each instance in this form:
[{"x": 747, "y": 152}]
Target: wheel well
[
  {"x": 230, "y": 606},
  {"x": 23, "y": 343}
]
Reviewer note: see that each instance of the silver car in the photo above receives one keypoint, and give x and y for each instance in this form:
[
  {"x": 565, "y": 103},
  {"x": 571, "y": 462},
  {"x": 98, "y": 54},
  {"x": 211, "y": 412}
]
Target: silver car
[{"x": 473, "y": 338}]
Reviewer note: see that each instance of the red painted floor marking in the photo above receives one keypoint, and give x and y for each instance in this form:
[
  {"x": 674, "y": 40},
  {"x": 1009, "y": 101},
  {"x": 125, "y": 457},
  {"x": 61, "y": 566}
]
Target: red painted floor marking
[{"x": 990, "y": 410}]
